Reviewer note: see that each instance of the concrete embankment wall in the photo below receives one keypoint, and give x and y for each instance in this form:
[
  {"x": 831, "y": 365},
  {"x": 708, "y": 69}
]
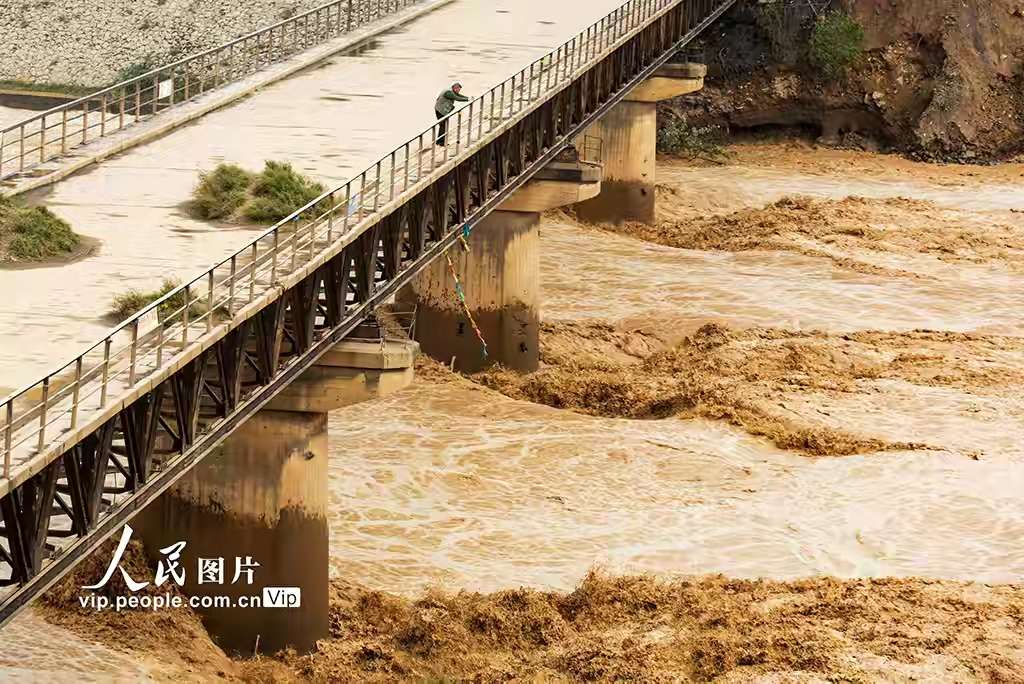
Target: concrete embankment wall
[{"x": 91, "y": 42}]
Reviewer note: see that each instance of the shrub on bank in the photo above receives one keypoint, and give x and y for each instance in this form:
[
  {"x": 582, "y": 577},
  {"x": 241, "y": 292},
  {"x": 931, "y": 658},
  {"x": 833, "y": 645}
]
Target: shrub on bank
[
  {"x": 143, "y": 66},
  {"x": 837, "y": 42},
  {"x": 230, "y": 192},
  {"x": 33, "y": 233},
  {"x": 679, "y": 138}
]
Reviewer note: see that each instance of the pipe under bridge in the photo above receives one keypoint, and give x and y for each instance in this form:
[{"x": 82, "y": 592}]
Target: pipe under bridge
[{"x": 99, "y": 439}]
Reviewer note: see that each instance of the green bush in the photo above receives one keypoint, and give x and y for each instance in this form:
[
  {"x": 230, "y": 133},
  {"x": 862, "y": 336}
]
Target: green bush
[
  {"x": 267, "y": 197},
  {"x": 837, "y": 41},
  {"x": 128, "y": 303},
  {"x": 679, "y": 138},
  {"x": 279, "y": 191},
  {"x": 136, "y": 69},
  {"x": 33, "y": 233},
  {"x": 221, "y": 192}
]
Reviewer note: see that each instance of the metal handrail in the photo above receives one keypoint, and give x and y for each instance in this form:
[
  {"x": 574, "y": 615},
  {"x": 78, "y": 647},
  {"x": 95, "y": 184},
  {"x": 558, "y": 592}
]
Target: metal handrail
[
  {"x": 50, "y": 134},
  {"x": 148, "y": 346}
]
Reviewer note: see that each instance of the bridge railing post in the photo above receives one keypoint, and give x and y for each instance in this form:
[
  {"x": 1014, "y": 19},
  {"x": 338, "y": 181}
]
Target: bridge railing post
[
  {"x": 490, "y": 119},
  {"x": 231, "y": 286},
  {"x": 8, "y": 437},
  {"x": 42, "y": 414},
  {"x": 160, "y": 345},
  {"x": 209, "y": 302},
  {"x": 376, "y": 189},
  {"x": 273, "y": 258},
  {"x": 312, "y": 238},
  {"x": 75, "y": 392},
  {"x": 348, "y": 204},
  {"x": 330, "y": 220},
  {"x": 391, "y": 195},
  {"x": 42, "y": 139},
  {"x": 405, "y": 181},
  {"x": 295, "y": 244},
  {"x": 106, "y": 372},
  {"x": 361, "y": 197},
  {"x": 185, "y": 316},
  {"x": 134, "y": 351},
  {"x": 252, "y": 271}
]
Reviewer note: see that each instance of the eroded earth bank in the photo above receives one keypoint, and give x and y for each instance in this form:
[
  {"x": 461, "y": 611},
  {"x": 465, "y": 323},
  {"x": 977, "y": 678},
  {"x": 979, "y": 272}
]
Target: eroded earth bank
[{"x": 775, "y": 438}]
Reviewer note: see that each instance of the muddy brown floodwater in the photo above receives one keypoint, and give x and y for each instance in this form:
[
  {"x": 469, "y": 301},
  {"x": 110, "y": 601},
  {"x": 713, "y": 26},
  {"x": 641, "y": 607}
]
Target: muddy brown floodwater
[{"x": 770, "y": 389}]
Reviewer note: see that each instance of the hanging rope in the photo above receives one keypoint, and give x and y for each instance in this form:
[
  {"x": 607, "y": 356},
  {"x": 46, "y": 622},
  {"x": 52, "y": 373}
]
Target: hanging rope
[{"x": 462, "y": 297}]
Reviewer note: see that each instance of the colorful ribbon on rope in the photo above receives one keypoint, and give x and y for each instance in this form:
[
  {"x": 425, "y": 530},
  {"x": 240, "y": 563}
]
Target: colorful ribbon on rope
[{"x": 462, "y": 299}]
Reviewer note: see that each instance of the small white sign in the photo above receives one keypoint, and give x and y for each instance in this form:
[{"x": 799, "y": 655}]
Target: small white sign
[
  {"x": 164, "y": 88},
  {"x": 148, "y": 322}
]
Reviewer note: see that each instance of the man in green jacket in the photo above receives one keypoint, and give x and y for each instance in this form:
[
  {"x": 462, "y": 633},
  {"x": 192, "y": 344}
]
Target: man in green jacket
[{"x": 444, "y": 106}]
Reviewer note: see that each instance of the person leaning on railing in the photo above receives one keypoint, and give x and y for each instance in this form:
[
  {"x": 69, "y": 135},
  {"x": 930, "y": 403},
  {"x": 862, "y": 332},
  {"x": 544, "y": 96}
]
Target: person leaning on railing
[{"x": 444, "y": 106}]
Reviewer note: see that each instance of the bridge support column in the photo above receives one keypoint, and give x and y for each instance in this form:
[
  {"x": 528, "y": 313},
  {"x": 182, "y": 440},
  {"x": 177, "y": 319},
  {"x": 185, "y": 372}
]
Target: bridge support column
[
  {"x": 629, "y": 133},
  {"x": 263, "y": 496},
  {"x": 500, "y": 277}
]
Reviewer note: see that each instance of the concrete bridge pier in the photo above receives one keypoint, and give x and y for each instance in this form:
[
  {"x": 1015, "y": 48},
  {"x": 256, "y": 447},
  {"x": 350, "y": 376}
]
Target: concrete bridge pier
[
  {"x": 629, "y": 134},
  {"x": 500, "y": 276},
  {"x": 263, "y": 497}
]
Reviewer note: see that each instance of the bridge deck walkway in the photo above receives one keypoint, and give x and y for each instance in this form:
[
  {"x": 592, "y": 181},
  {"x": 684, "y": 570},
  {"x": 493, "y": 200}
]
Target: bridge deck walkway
[{"x": 331, "y": 122}]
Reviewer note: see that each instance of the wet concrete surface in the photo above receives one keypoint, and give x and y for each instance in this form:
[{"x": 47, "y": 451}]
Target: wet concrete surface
[{"x": 330, "y": 122}]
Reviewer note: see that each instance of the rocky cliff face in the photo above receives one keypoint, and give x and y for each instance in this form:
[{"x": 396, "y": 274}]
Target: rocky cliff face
[
  {"x": 941, "y": 78},
  {"x": 91, "y": 42}
]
